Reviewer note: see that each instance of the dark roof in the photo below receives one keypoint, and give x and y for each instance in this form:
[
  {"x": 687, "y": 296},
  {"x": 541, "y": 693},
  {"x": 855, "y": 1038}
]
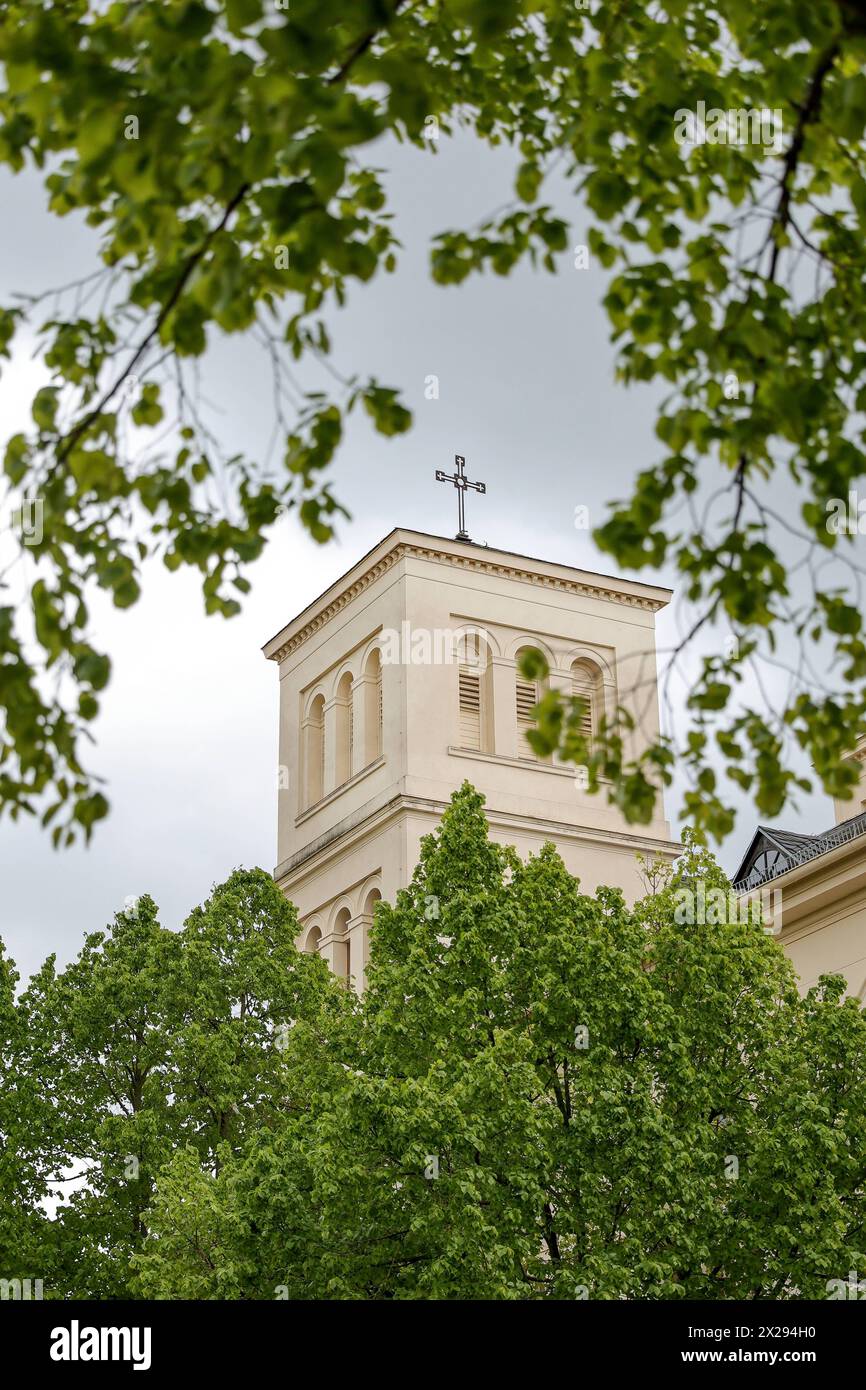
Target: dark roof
[{"x": 773, "y": 852}]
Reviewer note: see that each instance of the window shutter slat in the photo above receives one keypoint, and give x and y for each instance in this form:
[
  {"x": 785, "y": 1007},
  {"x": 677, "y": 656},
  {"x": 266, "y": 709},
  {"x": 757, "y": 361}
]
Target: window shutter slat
[
  {"x": 470, "y": 709},
  {"x": 527, "y": 699},
  {"x": 380, "y": 716},
  {"x": 583, "y": 688}
]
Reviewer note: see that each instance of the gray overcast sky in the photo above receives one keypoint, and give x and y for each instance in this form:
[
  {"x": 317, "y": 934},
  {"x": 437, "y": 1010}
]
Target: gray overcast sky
[{"x": 187, "y": 737}]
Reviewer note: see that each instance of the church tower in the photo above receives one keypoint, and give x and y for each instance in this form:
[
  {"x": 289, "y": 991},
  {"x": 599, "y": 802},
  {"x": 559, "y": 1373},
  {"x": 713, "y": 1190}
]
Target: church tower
[{"x": 401, "y": 681}]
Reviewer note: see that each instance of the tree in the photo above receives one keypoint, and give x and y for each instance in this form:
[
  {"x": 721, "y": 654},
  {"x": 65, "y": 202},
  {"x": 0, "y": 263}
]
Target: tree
[
  {"x": 151, "y": 1042},
  {"x": 96, "y": 1059},
  {"x": 544, "y": 1095},
  {"x": 22, "y": 1222},
  {"x": 243, "y": 986},
  {"x": 221, "y": 149}
]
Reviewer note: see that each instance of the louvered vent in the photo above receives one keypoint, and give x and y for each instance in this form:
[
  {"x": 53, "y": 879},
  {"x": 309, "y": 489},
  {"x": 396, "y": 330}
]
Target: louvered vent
[
  {"x": 380, "y": 717},
  {"x": 470, "y": 709},
  {"x": 527, "y": 699},
  {"x": 583, "y": 688}
]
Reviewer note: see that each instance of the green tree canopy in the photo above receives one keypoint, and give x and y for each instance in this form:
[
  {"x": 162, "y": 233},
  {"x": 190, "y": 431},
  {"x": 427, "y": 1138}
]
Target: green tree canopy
[
  {"x": 148, "y": 1042},
  {"x": 225, "y": 153},
  {"x": 21, "y": 1221},
  {"x": 543, "y": 1094}
]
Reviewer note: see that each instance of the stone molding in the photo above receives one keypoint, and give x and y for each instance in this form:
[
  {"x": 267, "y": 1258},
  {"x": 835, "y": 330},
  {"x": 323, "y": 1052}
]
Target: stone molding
[{"x": 477, "y": 564}]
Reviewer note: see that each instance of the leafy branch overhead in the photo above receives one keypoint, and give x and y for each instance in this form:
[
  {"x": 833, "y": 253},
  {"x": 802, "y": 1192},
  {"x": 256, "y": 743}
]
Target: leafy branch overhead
[{"x": 223, "y": 153}]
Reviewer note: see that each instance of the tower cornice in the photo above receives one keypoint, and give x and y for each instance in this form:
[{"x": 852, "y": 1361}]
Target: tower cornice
[{"x": 401, "y": 544}]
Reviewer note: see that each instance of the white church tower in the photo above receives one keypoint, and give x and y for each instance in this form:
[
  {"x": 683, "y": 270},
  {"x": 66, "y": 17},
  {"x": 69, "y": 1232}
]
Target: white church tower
[{"x": 401, "y": 681}]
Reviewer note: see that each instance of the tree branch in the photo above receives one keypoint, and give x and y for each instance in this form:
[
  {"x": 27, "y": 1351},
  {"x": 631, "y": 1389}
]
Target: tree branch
[
  {"x": 178, "y": 289},
  {"x": 808, "y": 113}
]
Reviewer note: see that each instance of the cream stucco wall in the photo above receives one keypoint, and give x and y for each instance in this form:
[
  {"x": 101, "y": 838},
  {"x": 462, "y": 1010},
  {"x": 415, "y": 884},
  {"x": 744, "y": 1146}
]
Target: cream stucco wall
[
  {"x": 822, "y": 904},
  {"x": 361, "y": 836},
  {"x": 834, "y": 943},
  {"x": 819, "y": 916}
]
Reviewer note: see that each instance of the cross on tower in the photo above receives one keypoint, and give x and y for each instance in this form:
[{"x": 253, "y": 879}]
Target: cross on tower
[{"x": 461, "y": 482}]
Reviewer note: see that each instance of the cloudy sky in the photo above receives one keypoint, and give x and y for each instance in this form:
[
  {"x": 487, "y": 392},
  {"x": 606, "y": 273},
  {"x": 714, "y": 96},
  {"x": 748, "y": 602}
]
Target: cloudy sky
[{"x": 187, "y": 737}]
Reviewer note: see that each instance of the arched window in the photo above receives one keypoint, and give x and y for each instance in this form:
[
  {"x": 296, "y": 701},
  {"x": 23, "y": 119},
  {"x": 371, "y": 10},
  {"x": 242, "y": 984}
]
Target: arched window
[
  {"x": 343, "y": 730},
  {"x": 359, "y": 967},
  {"x": 342, "y": 945},
  {"x": 314, "y": 752},
  {"x": 311, "y": 942},
  {"x": 586, "y": 686},
  {"x": 473, "y": 687},
  {"x": 373, "y": 708},
  {"x": 766, "y": 866},
  {"x": 527, "y": 695}
]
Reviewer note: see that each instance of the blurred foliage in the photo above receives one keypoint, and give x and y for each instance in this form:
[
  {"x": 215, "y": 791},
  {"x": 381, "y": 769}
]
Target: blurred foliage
[{"x": 223, "y": 153}]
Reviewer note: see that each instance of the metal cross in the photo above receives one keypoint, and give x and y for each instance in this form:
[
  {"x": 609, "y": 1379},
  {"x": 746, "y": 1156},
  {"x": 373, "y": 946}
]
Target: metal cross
[{"x": 461, "y": 482}]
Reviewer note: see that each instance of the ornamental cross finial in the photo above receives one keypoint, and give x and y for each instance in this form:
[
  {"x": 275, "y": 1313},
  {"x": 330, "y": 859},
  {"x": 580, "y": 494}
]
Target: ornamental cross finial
[{"x": 461, "y": 482}]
